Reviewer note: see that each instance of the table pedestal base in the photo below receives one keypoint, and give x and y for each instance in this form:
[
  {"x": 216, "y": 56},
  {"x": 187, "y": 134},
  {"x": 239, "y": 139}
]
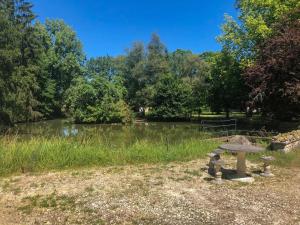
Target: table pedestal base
[{"x": 241, "y": 164}]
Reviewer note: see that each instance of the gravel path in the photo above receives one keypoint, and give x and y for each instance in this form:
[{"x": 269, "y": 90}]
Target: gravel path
[{"x": 177, "y": 193}]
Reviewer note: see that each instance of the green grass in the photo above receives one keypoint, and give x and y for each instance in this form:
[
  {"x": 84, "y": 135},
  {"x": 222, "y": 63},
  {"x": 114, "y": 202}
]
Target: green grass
[
  {"x": 210, "y": 115},
  {"x": 291, "y": 159},
  {"x": 63, "y": 202},
  {"x": 43, "y": 154}
]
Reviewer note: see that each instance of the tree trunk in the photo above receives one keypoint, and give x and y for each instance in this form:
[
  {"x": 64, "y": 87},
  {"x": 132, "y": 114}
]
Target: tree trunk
[{"x": 227, "y": 113}]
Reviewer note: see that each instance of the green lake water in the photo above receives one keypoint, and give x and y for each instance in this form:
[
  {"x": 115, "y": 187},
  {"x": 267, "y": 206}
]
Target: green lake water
[{"x": 114, "y": 134}]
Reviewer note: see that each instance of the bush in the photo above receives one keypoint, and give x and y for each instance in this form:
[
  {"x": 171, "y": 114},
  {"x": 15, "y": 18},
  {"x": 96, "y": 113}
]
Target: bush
[{"x": 97, "y": 101}]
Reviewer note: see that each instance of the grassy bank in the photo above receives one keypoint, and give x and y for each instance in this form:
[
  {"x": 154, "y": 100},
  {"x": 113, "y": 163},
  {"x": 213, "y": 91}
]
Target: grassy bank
[{"x": 41, "y": 154}]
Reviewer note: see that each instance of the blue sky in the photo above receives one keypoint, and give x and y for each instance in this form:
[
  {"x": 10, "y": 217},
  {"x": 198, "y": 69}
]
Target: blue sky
[{"x": 108, "y": 27}]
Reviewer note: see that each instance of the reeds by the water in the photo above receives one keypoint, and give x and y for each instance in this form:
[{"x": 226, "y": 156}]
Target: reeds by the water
[{"x": 41, "y": 154}]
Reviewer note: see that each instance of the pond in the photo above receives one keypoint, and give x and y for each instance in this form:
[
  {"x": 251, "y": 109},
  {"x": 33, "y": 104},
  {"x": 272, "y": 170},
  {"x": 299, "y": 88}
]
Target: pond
[{"x": 113, "y": 133}]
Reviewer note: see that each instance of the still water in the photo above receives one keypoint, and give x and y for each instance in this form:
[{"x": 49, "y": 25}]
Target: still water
[{"x": 113, "y": 133}]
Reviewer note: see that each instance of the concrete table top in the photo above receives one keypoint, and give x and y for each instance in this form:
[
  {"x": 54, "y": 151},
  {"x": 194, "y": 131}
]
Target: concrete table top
[{"x": 241, "y": 148}]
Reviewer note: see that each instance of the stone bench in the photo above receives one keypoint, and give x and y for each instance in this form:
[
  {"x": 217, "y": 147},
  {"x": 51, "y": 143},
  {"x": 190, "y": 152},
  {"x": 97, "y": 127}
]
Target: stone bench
[
  {"x": 218, "y": 172},
  {"x": 214, "y": 155},
  {"x": 266, "y": 166}
]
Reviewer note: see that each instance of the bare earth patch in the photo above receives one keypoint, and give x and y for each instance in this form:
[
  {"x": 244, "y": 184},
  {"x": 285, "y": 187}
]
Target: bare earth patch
[{"x": 177, "y": 193}]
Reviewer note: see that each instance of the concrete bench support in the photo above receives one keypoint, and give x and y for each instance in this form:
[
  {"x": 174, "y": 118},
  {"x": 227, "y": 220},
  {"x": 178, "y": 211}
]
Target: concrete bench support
[
  {"x": 218, "y": 172},
  {"x": 211, "y": 166},
  {"x": 213, "y": 156},
  {"x": 266, "y": 166},
  {"x": 241, "y": 164}
]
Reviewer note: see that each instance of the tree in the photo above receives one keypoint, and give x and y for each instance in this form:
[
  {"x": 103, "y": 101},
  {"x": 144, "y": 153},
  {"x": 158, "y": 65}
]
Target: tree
[
  {"x": 256, "y": 22},
  {"x": 20, "y": 51},
  {"x": 149, "y": 71},
  {"x": 194, "y": 71},
  {"x": 103, "y": 66},
  {"x": 99, "y": 96},
  {"x": 134, "y": 75},
  {"x": 172, "y": 98},
  {"x": 46, "y": 81},
  {"x": 66, "y": 59},
  {"x": 97, "y": 101},
  {"x": 157, "y": 63},
  {"x": 185, "y": 64},
  {"x": 227, "y": 88},
  {"x": 143, "y": 70},
  {"x": 274, "y": 78}
]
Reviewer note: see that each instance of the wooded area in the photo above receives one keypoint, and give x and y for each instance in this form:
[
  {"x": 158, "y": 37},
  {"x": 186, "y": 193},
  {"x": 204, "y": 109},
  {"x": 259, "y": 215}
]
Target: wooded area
[{"x": 44, "y": 72}]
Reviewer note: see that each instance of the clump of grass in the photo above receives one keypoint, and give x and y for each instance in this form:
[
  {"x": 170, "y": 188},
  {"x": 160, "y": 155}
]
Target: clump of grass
[
  {"x": 63, "y": 202},
  {"x": 41, "y": 154}
]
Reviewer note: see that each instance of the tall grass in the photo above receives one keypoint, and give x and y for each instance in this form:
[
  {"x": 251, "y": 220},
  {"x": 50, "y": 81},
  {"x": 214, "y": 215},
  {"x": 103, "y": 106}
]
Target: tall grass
[{"x": 41, "y": 154}]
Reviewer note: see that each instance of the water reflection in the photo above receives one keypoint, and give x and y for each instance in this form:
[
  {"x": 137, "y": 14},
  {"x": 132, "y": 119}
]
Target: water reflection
[
  {"x": 66, "y": 131},
  {"x": 114, "y": 135}
]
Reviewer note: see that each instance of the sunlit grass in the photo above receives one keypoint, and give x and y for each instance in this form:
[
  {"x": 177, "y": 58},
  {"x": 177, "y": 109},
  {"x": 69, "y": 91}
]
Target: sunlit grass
[
  {"x": 42, "y": 154},
  {"x": 291, "y": 159}
]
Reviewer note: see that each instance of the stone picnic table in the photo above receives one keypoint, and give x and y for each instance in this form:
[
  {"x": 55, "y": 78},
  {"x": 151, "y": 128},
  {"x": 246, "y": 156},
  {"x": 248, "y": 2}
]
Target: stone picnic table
[{"x": 241, "y": 151}]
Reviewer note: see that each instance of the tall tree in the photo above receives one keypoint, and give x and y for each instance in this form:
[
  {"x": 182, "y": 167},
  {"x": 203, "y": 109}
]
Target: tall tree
[
  {"x": 67, "y": 60},
  {"x": 227, "y": 88},
  {"x": 46, "y": 81},
  {"x": 194, "y": 71},
  {"x": 20, "y": 51},
  {"x": 143, "y": 70},
  {"x": 274, "y": 78},
  {"x": 156, "y": 65},
  {"x": 134, "y": 76}
]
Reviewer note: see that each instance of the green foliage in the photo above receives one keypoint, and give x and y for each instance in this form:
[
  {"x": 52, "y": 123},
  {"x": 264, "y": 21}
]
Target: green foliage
[
  {"x": 98, "y": 99},
  {"x": 227, "y": 89},
  {"x": 145, "y": 71},
  {"x": 172, "y": 98},
  {"x": 19, "y": 54},
  {"x": 44, "y": 73},
  {"x": 46, "y": 82},
  {"x": 134, "y": 75},
  {"x": 242, "y": 40},
  {"x": 195, "y": 72},
  {"x": 64, "y": 60},
  {"x": 37, "y": 63},
  {"x": 256, "y": 23},
  {"x": 185, "y": 64}
]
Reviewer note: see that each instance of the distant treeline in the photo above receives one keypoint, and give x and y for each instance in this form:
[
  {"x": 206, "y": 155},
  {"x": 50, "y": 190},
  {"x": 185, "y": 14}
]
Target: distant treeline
[{"x": 44, "y": 72}]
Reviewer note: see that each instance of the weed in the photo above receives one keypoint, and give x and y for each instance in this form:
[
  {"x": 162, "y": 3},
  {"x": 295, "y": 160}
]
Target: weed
[{"x": 62, "y": 202}]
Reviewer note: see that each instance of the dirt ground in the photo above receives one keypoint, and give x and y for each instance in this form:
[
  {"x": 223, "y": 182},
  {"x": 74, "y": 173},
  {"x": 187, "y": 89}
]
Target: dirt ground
[{"x": 177, "y": 193}]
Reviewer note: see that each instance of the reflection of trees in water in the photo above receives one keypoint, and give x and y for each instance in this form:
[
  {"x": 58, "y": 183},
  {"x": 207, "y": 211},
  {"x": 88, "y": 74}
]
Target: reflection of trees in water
[
  {"x": 42, "y": 128},
  {"x": 69, "y": 131},
  {"x": 117, "y": 136}
]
